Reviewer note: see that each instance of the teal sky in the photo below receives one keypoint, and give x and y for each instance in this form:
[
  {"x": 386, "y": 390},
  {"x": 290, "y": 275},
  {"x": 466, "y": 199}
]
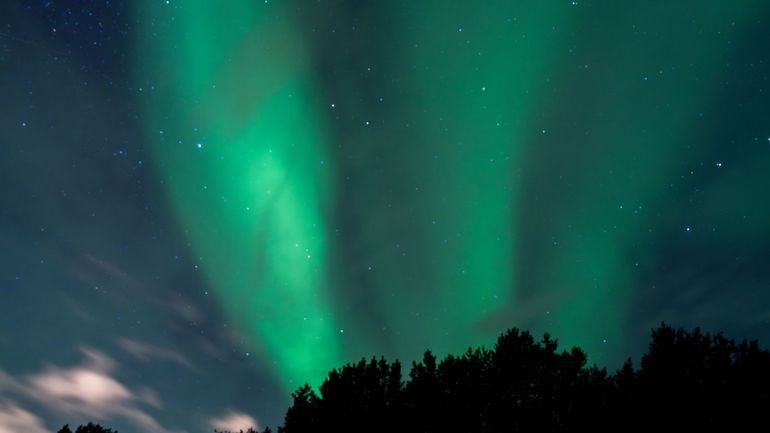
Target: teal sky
[{"x": 231, "y": 198}]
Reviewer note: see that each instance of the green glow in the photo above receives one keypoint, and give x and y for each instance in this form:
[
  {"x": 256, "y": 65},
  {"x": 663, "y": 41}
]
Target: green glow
[
  {"x": 617, "y": 184},
  {"x": 239, "y": 150},
  {"x": 513, "y": 181},
  {"x": 483, "y": 96}
]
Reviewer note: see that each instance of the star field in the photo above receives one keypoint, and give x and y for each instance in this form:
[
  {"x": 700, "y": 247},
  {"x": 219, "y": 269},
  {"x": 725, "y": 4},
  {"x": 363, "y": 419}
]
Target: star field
[{"x": 204, "y": 205}]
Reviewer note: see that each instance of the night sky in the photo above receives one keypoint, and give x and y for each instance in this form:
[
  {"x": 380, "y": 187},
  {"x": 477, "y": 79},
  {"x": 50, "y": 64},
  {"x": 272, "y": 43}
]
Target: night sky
[{"x": 206, "y": 204}]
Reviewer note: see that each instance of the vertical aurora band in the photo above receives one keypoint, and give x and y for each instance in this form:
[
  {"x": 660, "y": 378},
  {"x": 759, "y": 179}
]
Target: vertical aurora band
[
  {"x": 506, "y": 214},
  {"x": 480, "y": 75},
  {"x": 231, "y": 119}
]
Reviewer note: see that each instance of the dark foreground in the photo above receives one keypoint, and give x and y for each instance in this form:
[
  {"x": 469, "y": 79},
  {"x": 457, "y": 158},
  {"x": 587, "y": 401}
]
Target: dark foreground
[{"x": 687, "y": 381}]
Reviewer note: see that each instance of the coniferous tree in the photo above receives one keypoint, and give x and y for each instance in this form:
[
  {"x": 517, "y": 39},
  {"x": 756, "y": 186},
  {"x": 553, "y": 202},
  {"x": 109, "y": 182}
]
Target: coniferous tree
[
  {"x": 88, "y": 428},
  {"x": 687, "y": 381}
]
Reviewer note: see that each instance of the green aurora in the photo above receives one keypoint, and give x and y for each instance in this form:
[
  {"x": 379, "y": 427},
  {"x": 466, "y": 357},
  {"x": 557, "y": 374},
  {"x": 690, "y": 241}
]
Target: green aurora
[{"x": 434, "y": 174}]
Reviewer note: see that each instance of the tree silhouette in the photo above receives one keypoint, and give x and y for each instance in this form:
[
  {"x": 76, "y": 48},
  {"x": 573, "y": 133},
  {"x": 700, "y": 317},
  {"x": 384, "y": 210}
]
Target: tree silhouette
[
  {"x": 687, "y": 381},
  {"x": 88, "y": 428},
  {"x": 365, "y": 394},
  {"x": 699, "y": 381},
  {"x": 250, "y": 430}
]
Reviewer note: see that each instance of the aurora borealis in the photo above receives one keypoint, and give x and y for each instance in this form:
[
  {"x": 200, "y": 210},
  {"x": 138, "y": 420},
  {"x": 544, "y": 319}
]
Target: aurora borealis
[{"x": 206, "y": 204}]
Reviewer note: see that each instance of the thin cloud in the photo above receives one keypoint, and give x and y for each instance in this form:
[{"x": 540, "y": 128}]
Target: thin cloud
[
  {"x": 14, "y": 419},
  {"x": 81, "y": 385},
  {"x": 145, "y": 352},
  {"x": 88, "y": 390},
  {"x": 234, "y": 421}
]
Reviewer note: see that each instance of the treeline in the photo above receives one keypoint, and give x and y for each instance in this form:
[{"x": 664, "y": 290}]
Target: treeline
[
  {"x": 89, "y": 428},
  {"x": 687, "y": 381}
]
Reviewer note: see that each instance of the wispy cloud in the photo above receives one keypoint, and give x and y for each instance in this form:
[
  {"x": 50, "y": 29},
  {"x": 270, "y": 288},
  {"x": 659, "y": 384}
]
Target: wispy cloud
[
  {"x": 112, "y": 270},
  {"x": 234, "y": 421},
  {"x": 80, "y": 385},
  {"x": 145, "y": 352},
  {"x": 88, "y": 390},
  {"x": 522, "y": 312},
  {"x": 14, "y": 419}
]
